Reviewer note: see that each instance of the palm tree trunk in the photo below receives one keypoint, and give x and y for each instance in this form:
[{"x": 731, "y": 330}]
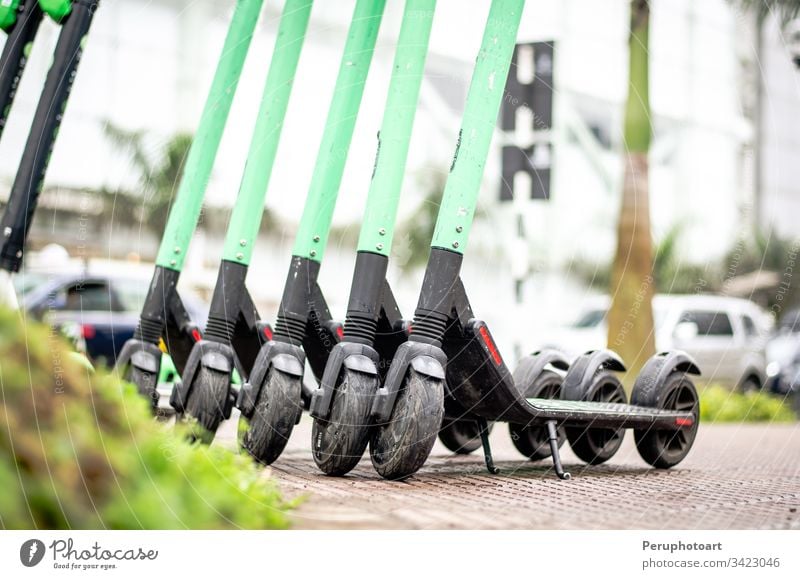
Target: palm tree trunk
[{"x": 630, "y": 318}]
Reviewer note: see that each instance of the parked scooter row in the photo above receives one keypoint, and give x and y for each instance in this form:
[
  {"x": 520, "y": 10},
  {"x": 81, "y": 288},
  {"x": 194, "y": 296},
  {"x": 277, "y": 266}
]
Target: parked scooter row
[{"x": 384, "y": 383}]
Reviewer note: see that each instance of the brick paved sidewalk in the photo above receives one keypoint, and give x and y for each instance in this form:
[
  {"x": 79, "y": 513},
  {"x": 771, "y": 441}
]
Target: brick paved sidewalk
[{"x": 737, "y": 476}]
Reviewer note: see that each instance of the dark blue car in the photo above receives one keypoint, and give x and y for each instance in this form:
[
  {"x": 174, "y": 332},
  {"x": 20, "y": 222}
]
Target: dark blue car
[{"x": 103, "y": 309}]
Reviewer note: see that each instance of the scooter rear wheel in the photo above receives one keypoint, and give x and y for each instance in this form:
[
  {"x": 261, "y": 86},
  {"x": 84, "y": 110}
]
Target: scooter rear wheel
[
  {"x": 666, "y": 448},
  {"x": 266, "y": 434},
  {"x": 400, "y": 447},
  {"x": 597, "y": 445},
  {"x": 339, "y": 442},
  {"x": 533, "y": 441},
  {"x": 205, "y": 407},
  {"x": 461, "y": 436}
]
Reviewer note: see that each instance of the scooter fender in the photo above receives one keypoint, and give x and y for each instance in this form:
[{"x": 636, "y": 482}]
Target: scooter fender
[
  {"x": 219, "y": 357},
  {"x": 142, "y": 355},
  {"x": 357, "y": 357},
  {"x": 658, "y": 369},
  {"x": 432, "y": 362},
  {"x": 283, "y": 357},
  {"x": 531, "y": 367},
  {"x": 582, "y": 371}
]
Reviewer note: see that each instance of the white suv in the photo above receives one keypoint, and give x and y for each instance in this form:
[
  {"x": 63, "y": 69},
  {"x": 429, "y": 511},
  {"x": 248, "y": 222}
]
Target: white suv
[{"x": 726, "y": 336}]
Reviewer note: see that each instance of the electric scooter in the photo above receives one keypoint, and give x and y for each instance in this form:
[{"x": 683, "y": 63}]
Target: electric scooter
[
  {"x": 352, "y": 375},
  {"x": 234, "y": 331},
  {"x": 163, "y": 315},
  {"x": 272, "y": 400},
  {"x": 451, "y": 356},
  {"x": 75, "y": 17},
  {"x": 261, "y": 436},
  {"x": 20, "y": 20}
]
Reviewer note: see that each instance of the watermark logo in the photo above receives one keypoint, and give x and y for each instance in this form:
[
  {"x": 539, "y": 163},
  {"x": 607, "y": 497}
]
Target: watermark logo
[{"x": 32, "y": 552}]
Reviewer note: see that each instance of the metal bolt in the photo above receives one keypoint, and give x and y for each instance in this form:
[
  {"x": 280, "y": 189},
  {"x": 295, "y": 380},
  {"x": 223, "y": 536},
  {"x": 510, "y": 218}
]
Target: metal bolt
[
  {"x": 173, "y": 262},
  {"x": 240, "y": 256},
  {"x": 242, "y": 242},
  {"x": 7, "y": 232},
  {"x": 455, "y": 244},
  {"x": 19, "y": 253},
  {"x": 379, "y": 246},
  {"x": 313, "y": 253},
  {"x": 177, "y": 250},
  {"x": 382, "y": 231},
  {"x": 459, "y": 229},
  {"x": 316, "y": 239}
]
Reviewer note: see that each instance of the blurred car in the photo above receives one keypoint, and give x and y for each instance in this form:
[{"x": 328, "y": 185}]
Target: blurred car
[
  {"x": 104, "y": 309},
  {"x": 726, "y": 336},
  {"x": 784, "y": 342},
  {"x": 783, "y": 354}
]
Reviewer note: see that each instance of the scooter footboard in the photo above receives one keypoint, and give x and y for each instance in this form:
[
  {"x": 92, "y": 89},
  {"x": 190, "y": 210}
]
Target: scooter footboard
[
  {"x": 477, "y": 377},
  {"x": 604, "y": 414}
]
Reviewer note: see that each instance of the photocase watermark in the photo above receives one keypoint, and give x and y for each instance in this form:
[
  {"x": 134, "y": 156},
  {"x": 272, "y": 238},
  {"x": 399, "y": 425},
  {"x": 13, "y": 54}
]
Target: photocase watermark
[
  {"x": 66, "y": 555},
  {"x": 31, "y": 552}
]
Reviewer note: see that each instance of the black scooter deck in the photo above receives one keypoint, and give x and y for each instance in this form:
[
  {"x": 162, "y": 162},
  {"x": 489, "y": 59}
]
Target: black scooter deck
[{"x": 605, "y": 414}]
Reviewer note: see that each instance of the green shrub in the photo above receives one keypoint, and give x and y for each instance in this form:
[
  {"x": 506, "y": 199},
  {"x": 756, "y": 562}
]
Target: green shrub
[
  {"x": 720, "y": 405},
  {"x": 80, "y": 450}
]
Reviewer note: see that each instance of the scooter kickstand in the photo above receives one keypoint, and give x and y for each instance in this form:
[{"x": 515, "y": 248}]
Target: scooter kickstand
[
  {"x": 552, "y": 434},
  {"x": 487, "y": 450}
]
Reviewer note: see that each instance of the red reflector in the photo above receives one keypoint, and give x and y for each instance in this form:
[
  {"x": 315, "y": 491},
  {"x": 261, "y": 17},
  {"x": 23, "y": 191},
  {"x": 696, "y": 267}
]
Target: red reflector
[
  {"x": 340, "y": 332},
  {"x": 88, "y": 332},
  {"x": 268, "y": 332},
  {"x": 487, "y": 339},
  {"x": 196, "y": 336},
  {"x": 683, "y": 422}
]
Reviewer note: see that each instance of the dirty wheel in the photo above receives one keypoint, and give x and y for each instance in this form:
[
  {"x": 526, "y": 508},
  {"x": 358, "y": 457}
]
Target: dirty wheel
[
  {"x": 597, "y": 445},
  {"x": 205, "y": 407},
  {"x": 532, "y": 441},
  {"x": 401, "y": 446},
  {"x": 264, "y": 436},
  {"x": 145, "y": 382},
  {"x": 339, "y": 442},
  {"x": 666, "y": 448}
]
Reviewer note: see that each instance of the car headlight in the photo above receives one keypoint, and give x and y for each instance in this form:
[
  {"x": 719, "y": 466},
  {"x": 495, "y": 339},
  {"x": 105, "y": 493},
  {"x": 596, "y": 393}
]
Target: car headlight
[{"x": 773, "y": 369}]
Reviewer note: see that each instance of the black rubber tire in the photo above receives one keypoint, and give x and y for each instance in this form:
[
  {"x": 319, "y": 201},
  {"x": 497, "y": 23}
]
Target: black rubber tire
[
  {"x": 206, "y": 403},
  {"x": 146, "y": 384},
  {"x": 339, "y": 442},
  {"x": 666, "y": 448},
  {"x": 533, "y": 441},
  {"x": 461, "y": 436},
  {"x": 265, "y": 435},
  {"x": 597, "y": 445},
  {"x": 401, "y": 446}
]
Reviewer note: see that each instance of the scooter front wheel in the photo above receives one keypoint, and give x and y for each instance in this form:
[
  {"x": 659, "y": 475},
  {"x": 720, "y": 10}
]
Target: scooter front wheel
[
  {"x": 266, "y": 434},
  {"x": 400, "y": 447},
  {"x": 338, "y": 442},
  {"x": 207, "y": 401},
  {"x": 145, "y": 383}
]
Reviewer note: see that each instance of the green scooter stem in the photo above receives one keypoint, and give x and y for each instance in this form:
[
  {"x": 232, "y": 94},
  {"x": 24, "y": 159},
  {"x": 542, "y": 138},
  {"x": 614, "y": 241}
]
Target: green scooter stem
[
  {"x": 188, "y": 203},
  {"x": 377, "y": 228},
  {"x": 249, "y": 209},
  {"x": 21, "y": 34},
  {"x": 483, "y": 101},
  {"x": 315, "y": 224}
]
